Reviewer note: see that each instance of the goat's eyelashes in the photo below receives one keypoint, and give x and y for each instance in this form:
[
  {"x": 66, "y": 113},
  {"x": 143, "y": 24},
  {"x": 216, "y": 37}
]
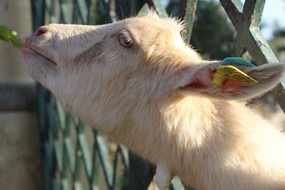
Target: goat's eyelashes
[{"x": 125, "y": 39}]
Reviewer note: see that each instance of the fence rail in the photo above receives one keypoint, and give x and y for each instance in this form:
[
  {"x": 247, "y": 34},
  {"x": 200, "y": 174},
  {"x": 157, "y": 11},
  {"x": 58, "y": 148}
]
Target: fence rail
[
  {"x": 17, "y": 97},
  {"x": 76, "y": 157}
]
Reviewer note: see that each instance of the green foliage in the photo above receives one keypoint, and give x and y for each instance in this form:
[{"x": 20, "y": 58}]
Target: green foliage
[
  {"x": 213, "y": 35},
  {"x": 277, "y": 42},
  {"x": 98, "y": 12},
  {"x": 9, "y": 36}
]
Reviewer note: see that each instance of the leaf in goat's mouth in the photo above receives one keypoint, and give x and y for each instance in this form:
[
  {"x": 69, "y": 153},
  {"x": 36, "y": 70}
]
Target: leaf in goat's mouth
[{"x": 10, "y": 36}]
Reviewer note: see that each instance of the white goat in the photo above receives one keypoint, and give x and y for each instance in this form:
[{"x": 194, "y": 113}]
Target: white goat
[{"x": 138, "y": 83}]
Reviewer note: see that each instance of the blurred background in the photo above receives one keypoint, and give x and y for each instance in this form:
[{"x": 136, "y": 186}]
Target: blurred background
[
  {"x": 20, "y": 166},
  {"x": 20, "y": 148}
]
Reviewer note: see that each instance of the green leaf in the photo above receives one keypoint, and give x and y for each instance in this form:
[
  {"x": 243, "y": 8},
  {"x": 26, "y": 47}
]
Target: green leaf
[{"x": 10, "y": 36}]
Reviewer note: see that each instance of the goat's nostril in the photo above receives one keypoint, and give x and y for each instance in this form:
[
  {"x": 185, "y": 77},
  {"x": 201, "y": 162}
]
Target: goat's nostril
[{"x": 40, "y": 31}]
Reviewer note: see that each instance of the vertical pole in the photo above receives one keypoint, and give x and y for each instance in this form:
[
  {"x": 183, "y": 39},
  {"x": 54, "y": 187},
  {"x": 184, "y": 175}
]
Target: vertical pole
[{"x": 189, "y": 18}]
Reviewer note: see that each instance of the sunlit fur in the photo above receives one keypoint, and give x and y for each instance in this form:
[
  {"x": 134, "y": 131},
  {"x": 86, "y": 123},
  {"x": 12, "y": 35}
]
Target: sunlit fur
[{"x": 135, "y": 97}]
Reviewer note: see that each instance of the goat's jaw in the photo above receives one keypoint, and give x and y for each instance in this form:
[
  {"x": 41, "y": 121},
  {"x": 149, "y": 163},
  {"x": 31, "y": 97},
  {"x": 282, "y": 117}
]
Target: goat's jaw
[
  {"x": 31, "y": 52},
  {"x": 38, "y": 64}
]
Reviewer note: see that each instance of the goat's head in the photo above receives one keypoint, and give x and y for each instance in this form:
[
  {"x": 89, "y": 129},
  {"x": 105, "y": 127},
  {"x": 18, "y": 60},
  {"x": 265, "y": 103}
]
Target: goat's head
[{"x": 127, "y": 65}]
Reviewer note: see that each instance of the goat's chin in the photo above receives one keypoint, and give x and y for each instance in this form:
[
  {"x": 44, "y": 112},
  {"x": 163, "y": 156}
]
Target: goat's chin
[{"x": 38, "y": 66}]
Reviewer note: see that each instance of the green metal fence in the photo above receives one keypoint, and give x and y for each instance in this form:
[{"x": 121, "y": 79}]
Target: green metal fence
[{"x": 77, "y": 157}]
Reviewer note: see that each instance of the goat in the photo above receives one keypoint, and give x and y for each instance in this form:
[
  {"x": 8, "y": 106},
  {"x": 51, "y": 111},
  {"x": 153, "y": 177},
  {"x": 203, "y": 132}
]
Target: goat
[{"x": 138, "y": 83}]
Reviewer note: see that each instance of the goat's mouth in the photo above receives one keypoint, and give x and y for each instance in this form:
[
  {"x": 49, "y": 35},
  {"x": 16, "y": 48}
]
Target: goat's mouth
[
  {"x": 32, "y": 52},
  {"x": 38, "y": 63}
]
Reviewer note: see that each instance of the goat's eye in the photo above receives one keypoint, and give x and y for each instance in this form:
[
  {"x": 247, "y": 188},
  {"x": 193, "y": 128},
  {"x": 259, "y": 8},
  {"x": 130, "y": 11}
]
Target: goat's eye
[{"x": 125, "y": 39}]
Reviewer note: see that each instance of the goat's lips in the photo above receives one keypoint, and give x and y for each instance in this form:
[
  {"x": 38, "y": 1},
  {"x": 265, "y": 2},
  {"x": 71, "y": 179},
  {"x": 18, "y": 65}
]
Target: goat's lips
[
  {"x": 26, "y": 51},
  {"x": 30, "y": 53}
]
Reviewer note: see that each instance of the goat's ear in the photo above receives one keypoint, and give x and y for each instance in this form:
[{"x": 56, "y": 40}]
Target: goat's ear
[{"x": 198, "y": 79}]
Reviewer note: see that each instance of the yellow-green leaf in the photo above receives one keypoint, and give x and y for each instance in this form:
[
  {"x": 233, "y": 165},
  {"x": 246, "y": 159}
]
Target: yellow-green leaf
[{"x": 10, "y": 36}]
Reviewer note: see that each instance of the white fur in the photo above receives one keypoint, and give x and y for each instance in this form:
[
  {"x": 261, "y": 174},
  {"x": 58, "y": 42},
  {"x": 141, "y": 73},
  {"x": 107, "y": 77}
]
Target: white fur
[{"x": 144, "y": 97}]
